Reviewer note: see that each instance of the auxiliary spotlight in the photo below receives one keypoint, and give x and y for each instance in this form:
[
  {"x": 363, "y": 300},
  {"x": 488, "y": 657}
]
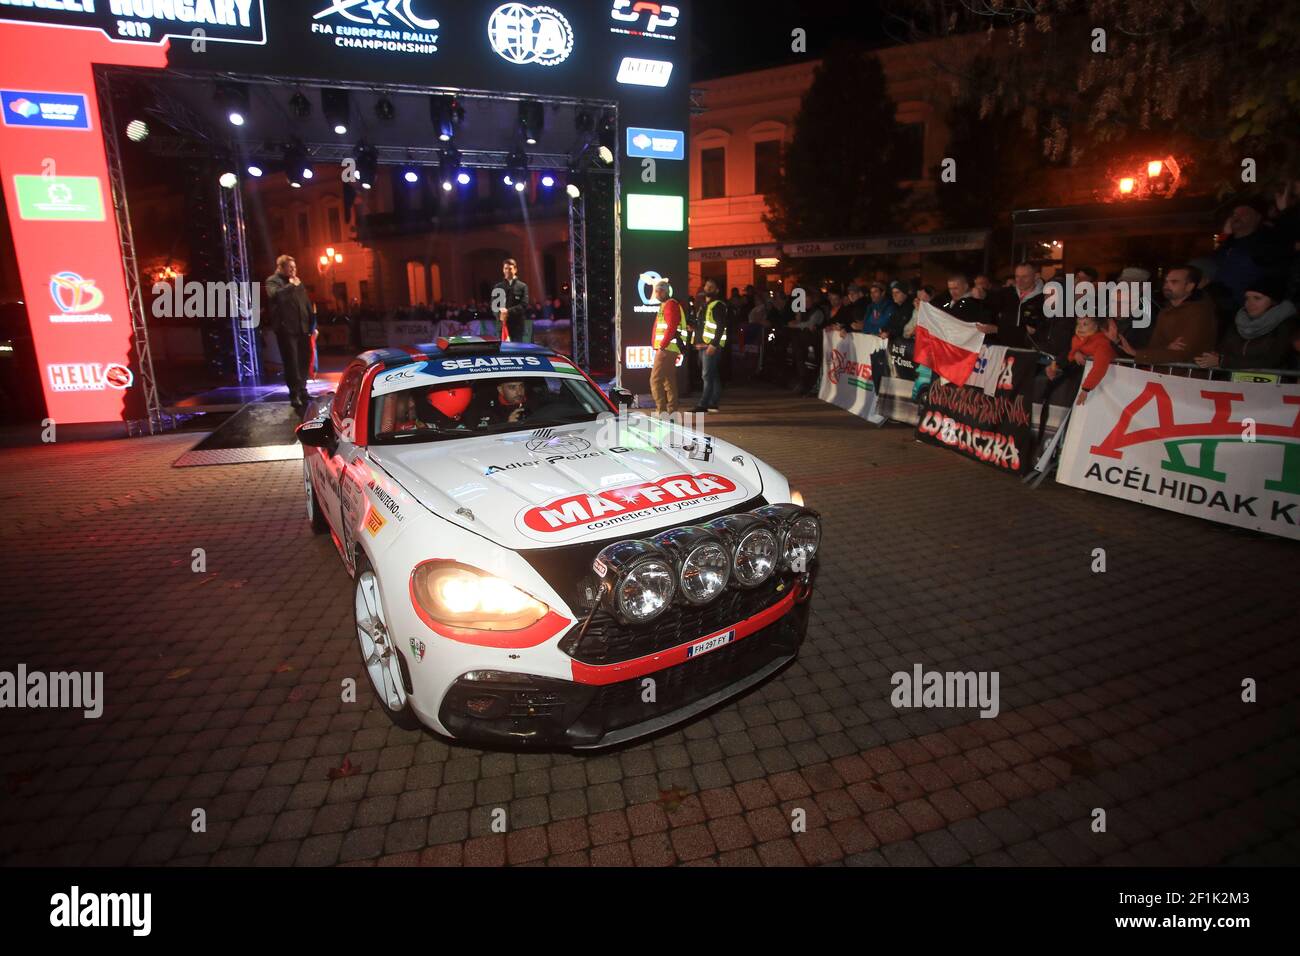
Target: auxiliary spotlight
[
  {"x": 255, "y": 170},
  {"x": 299, "y": 105},
  {"x": 573, "y": 191},
  {"x": 451, "y": 172},
  {"x": 336, "y": 106},
  {"x": 548, "y": 180},
  {"x": 137, "y": 131},
  {"x": 447, "y": 116},
  {"x": 228, "y": 180},
  {"x": 296, "y": 167},
  {"x": 532, "y": 120},
  {"x": 233, "y": 98},
  {"x": 385, "y": 110}
]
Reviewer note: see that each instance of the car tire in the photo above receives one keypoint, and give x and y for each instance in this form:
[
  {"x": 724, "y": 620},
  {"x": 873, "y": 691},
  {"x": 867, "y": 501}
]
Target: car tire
[
  {"x": 318, "y": 523},
  {"x": 380, "y": 657}
]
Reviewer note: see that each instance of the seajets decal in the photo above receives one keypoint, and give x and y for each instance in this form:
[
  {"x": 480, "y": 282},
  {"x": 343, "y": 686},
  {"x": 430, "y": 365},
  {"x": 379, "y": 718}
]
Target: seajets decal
[
  {"x": 470, "y": 367},
  {"x": 577, "y": 515}
]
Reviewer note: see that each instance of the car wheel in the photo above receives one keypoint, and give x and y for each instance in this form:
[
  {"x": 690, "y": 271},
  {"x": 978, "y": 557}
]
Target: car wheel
[
  {"x": 318, "y": 523},
  {"x": 379, "y": 653}
]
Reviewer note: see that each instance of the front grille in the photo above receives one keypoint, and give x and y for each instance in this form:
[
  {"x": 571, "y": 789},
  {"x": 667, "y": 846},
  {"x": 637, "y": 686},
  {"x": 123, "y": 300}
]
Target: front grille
[
  {"x": 622, "y": 704},
  {"x": 607, "y": 641}
]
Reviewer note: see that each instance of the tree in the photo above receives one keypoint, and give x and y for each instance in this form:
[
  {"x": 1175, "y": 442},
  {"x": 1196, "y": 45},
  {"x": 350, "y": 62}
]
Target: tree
[
  {"x": 841, "y": 169},
  {"x": 1089, "y": 76}
]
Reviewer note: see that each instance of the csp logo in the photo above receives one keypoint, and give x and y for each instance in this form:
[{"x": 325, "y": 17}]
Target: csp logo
[
  {"x": 378, "y": 13},
  {"x": 650, "y": 19},
  {"x": 520, "y": 33},
  {"x": 73, "y": 294}
]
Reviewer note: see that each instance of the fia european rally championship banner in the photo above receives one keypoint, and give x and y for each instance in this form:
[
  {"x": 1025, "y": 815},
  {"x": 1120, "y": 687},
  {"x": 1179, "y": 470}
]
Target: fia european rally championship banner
[{"x": 1223, "y": 451}]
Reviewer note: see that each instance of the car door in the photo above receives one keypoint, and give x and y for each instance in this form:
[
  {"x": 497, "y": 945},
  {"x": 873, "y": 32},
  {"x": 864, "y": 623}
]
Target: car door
[
  {"x": 349, "y": 463},
  {"x": 327, "y": 463}
]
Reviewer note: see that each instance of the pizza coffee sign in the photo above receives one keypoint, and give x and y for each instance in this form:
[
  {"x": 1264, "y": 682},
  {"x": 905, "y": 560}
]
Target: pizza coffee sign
[{"x": 1223, "y": 451}]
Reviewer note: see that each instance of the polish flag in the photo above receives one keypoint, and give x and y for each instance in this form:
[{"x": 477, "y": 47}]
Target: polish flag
[{"x": 946, "y": 344}]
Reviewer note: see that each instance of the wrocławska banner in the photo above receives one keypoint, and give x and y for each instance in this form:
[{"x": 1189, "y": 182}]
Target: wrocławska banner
[
  {"x": 996, "y": 429},
  {"x": 1224, "y": 451},
  {"x": 846, "y": 371}
]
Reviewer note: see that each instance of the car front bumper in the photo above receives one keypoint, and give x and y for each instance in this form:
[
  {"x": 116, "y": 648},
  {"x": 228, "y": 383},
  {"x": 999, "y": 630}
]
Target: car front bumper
[{"x": 524, "y": 711}]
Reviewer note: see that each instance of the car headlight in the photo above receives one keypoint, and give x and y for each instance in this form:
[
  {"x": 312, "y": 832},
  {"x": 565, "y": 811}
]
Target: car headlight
[
  {"x": 799, "y": 529},
  {"x": 754, "y": 547},
  {"x": 461, "y": 596},
  {"x": 638, "y": 580},
  {"x": 703, "y": 562}
]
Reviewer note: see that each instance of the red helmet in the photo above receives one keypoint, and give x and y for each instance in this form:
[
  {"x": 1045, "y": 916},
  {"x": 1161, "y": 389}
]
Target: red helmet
[{"x": 452, "y": 402}]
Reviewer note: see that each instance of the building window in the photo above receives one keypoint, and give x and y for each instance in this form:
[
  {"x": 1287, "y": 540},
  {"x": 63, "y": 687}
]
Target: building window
[
  {"x": 417, "y": 289},
  {"x": 334, "y": 223},
  {"x": 713, "y": 173},
  {"x": 303, "y": 235},
  {"x": 767, "y": 166},
  {"x": 364, "y": 287},
  {"x": 909, "y": 140}
]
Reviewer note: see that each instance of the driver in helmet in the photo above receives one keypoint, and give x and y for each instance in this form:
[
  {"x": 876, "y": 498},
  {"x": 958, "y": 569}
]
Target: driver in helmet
[{"x": 445, "y": 408}]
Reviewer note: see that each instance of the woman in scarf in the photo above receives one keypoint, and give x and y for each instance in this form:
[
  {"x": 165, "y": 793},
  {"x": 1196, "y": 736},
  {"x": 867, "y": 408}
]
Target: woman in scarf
[{"x": 1261, "y": 333}]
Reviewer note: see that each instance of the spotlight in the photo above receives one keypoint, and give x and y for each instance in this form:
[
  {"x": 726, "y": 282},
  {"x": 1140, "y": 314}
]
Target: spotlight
[
  {"x": 336, "y": 106},
  {"x": 411, "y": 175},
  {"x": 137, "y": 131},
  {"x": 385, "y": 110},
  {"x": 608, "y": 130},
  {"x": 447, "y": 116},
  {"x": 532, "y": 120},
  {"x": 606, "y": 155},
  {"x": 367, "y": 160},
  {"x": 548, "y": 180},
  {"x": 233, "y": 98},
  {"x": 228, "y": 180},
  {"x": 573, "y": 191},
  {"x": 255, "y": 170},
  {"x": 296, "y": 167},
  {"x": 299, "y": 105},
  {"x": 516, "y": 170},
  {"x": 449, "y": 159}
]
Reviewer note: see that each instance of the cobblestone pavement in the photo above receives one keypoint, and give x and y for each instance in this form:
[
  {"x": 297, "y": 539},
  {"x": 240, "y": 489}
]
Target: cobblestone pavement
[{"x": 1120, "y": 691}]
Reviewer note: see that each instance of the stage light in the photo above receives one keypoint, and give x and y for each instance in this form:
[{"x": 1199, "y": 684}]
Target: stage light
[
  {"x": 255, "y": 170},
  {"x": 532, "y": 120},
  {"x": 233, "y": 98},
  {"x": 299, "y": 105},
  {"x": 449, "y": 159},
  {"x": 296, "y": 167},
  {"x": 573, "y": 191},
  {"x": 228, "y": 180},
  {"x": 336, "y": 106},
  {"x": 447, "y": 115},
  {"x": 411, "y": 175},
  {"x": 137, "y": 131},
  {"x": 385, "y": 110},
  {"x": 307, "y": 172},
  {"x": 463, "y": 178},
  {"x": 548, "y": 180},
  {"x": 516, "y": 170},
  {"x": 367, "y": 160}
]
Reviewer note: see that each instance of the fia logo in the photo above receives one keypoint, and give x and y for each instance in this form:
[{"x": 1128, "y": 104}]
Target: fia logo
[{"x": 521, "y": 34}]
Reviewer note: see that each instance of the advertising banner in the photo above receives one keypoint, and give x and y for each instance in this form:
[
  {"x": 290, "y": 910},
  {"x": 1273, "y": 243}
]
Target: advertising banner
[
  {"x": 993, "y": 425},
  {"x": 898, "y": 381},
  {"x": 846, "y": 371},
  {"x": 1223, "y": 451}
]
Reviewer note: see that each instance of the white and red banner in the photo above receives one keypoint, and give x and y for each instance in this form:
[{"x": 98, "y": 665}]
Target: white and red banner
[
  {"x": 1223, "y": 451},
  {"x": 947, "y": 344},
  {"x": 846, "y": 370}
]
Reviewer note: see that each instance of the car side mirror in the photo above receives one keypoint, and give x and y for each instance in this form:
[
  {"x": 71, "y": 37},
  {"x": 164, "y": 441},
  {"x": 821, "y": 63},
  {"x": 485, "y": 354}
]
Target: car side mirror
[
  {"x": 622, "y": 396},
  {"x": 317, "y": 433}
]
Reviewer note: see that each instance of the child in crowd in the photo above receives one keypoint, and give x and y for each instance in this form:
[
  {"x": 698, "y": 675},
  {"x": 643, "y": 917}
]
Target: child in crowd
[{"x": 1088, "y": 342}]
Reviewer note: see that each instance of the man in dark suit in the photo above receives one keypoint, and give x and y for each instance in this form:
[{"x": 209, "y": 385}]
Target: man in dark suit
[
  {"x": 510, "y": 300},
  {"x": 292, "y": 317}
]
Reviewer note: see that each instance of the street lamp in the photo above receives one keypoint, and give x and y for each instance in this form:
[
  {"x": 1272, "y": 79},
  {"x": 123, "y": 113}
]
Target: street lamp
[
  {"x": 1154, "y": 168},
  {"x": 1126, "y": 185}
]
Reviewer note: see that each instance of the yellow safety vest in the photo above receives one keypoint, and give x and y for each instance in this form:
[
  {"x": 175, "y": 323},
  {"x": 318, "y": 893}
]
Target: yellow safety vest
[
  {"x": 661, "y": 330},
  {"x": 715, "y": 327}
]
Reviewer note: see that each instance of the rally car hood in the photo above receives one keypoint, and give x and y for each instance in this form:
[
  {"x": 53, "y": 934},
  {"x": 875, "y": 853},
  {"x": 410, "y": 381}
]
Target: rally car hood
[{"x": 553, "y": 486}]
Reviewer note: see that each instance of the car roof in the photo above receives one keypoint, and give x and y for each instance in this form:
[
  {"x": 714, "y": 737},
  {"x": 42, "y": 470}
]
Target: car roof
[{"x": 444, "y": 348}]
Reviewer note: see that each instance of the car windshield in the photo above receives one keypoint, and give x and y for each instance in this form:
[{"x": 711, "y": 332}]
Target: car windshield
[{"x": 461, "y": 409}]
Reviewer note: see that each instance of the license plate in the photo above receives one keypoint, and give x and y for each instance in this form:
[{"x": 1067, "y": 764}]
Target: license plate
[{"x": 710, "y": 643}]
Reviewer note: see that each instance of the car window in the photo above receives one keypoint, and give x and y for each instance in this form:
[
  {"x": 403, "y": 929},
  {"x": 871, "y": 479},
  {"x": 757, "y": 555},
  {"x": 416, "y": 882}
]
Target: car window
[{"x": 463, "y": 408}]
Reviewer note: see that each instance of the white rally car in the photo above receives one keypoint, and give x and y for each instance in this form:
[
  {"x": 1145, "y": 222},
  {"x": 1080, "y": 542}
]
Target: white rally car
[{"x": 534, "y": 565}]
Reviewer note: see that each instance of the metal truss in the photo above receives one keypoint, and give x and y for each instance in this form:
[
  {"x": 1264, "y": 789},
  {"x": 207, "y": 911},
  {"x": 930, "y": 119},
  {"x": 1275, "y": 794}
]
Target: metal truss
[
  {"x": 247, "y": 367},
  {"x": 578, "y": 280},
  {"x": 154, "y": 419}
]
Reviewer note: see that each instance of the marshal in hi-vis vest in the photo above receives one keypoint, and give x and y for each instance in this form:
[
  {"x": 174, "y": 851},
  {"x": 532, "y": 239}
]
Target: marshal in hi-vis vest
[
  {"x": 715, "y": 324},
  {"x": 661, "y": 330}
]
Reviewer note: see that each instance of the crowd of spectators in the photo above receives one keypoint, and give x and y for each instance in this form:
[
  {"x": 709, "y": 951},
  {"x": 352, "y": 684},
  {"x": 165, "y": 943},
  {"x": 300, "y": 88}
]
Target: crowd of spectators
[
  {"x": 472, "y": 317},
  {"x": 1234, "y": 309}
]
